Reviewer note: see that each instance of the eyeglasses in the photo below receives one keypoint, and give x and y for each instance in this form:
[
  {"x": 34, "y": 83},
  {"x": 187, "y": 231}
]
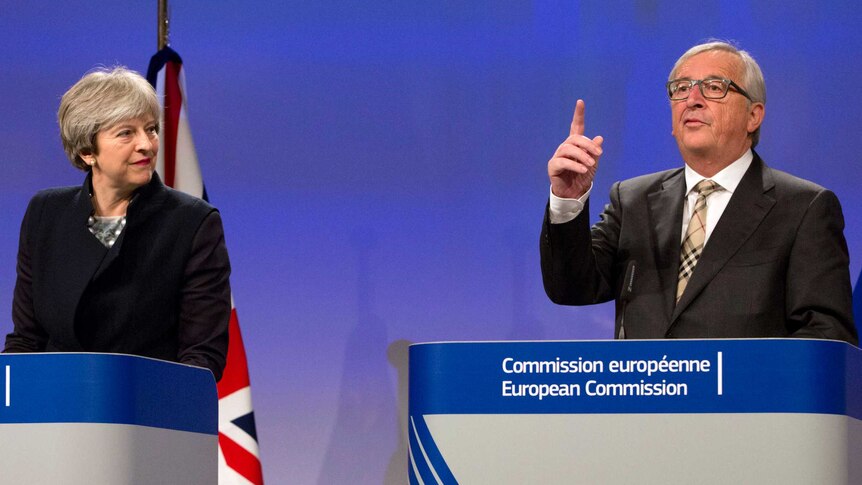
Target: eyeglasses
[{"x": 713, "y": 88}]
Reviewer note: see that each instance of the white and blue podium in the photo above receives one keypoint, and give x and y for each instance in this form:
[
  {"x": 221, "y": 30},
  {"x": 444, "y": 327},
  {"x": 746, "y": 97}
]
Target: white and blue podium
[
  {"x": 106, "y": 419},
  {"x": 636, "y": 412}
]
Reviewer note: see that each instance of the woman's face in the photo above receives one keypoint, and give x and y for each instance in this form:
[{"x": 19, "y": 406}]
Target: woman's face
[{"x": 127, "y": 155}]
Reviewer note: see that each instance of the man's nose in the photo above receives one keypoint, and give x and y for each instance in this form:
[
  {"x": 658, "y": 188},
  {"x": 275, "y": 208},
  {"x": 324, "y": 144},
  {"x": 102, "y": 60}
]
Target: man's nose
[{"x": 695, "y": 97}]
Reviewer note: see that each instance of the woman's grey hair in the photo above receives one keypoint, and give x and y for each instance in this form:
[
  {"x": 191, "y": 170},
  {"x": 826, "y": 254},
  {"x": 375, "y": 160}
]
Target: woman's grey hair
[
  {"x": 752, "y": 81},
  {"x": 100, "y": 100}
]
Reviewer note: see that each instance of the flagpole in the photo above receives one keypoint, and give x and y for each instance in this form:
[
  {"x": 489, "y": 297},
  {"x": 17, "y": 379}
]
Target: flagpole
[{"x": 164, "y": 21}]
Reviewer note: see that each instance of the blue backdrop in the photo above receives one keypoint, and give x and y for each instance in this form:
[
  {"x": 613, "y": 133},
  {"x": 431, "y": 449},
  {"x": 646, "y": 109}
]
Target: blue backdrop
[{"x": 381, "y": 167}]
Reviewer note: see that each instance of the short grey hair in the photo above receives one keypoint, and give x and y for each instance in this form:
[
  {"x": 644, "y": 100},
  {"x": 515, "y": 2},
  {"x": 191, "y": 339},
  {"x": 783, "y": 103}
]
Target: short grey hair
[
  {"x": 100, "y": 100},
  {"x": 752, "y": 80}
]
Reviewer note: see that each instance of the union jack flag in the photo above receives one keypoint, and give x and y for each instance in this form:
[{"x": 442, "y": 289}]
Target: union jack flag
[{"x": 177, "y": 164}]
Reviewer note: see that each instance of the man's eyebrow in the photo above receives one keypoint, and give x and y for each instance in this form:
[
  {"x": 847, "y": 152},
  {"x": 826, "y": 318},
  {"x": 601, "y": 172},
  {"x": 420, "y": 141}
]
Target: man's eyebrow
[{"x": 710, "y": 76}]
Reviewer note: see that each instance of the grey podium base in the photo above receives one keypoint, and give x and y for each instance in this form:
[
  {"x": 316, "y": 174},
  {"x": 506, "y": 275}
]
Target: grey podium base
[
  {"x": 116, "y": 454},
  {"x": 757, "y": 448}
]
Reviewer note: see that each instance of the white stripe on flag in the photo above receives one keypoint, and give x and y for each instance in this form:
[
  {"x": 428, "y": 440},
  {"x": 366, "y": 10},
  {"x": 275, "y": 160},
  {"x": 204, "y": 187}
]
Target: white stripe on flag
[
  {"x": 187, "y": 175},
  {"x": 227, "y": 475},
  {"x": 160, "y": 92},
  {"x": 231, "y": 407}
]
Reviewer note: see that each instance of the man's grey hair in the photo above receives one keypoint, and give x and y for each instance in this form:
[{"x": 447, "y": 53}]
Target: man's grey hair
[{"x": 752, "y": 80}]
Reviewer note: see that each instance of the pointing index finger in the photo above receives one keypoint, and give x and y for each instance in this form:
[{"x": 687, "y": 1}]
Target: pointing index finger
[{"x": 577, "y": 127}]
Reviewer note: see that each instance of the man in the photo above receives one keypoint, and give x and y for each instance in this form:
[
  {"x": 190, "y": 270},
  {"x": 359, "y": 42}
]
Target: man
[{"x": 725, "y": 247}]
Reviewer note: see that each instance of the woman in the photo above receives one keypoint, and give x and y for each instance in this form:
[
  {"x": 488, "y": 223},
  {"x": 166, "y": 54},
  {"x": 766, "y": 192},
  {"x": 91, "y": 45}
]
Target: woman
[{"x": 122, "y": 263}]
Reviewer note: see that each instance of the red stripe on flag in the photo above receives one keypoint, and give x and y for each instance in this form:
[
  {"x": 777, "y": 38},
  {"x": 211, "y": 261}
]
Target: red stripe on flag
[
  {"x": 240, "y": 460},
  {"x": 173, "y": 106},
  {"x": 235, "y": 375}
]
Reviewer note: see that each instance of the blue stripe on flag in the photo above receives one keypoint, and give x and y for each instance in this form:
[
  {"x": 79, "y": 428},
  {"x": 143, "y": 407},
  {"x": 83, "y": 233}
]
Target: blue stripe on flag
[{"x": 158, "y": 61}]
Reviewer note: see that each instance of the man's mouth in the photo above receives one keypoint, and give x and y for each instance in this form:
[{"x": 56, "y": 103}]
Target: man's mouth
[{"x": 694, "y": 122}]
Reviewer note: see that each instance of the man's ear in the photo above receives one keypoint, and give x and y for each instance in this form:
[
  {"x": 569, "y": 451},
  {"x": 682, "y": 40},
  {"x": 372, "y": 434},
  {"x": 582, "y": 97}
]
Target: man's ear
[{"x": 755, "y": 116}]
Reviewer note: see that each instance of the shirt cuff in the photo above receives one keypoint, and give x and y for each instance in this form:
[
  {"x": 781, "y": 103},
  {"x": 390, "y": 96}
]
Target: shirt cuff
[{"x": 564, "y": 210}]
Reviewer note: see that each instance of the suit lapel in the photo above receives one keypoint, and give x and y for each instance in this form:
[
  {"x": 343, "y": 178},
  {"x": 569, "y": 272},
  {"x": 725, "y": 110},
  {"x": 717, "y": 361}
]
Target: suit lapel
[
  {"x": 110, "y": 255},
  {"x": 747, "y": 207},
  {"x": 665, "y": 212},
  {"x": 79, "y": 254},
  {"x": 85, "y": 251}
]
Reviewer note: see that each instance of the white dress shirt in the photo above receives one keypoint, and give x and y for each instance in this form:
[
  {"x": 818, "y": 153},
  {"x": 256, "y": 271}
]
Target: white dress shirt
[{"x": 564, "y": 210}]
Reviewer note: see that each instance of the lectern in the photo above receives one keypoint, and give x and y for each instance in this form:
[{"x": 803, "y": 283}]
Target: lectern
[
  {"x": 106, "y": 419},
  {"x": 760, "y": 411}
]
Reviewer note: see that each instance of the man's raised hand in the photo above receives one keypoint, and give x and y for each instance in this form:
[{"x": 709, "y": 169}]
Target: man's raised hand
[{"x": 573, "y": 166}]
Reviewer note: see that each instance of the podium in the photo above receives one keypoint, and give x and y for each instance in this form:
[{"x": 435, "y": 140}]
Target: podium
[
  {"x": 735, "y": 411},
  {"x": 106, "y": 418}
]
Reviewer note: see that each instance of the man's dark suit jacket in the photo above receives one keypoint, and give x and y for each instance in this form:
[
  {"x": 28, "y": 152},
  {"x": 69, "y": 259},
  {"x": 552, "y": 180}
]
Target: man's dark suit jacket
[
  {"x": 161, "y": 291},
  {"x": 775, "y": 265}
]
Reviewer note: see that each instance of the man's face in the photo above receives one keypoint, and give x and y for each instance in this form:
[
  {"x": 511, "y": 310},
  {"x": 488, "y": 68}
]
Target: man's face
[{"x": 714, "y": 132}]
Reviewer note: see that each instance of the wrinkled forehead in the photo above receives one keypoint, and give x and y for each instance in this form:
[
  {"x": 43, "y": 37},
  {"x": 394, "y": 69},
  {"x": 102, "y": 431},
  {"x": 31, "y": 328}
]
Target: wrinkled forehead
[{"x": 714, "y": 63}]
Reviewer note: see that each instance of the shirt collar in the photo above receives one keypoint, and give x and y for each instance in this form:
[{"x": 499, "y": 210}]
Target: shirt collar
[{"x": 729, "y": 177}]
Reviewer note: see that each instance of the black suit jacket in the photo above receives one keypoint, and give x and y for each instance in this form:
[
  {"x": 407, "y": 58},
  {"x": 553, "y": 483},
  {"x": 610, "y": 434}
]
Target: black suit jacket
[
  {"x": 776, "y": 264},
  {"x": 160, "y": 291}
]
